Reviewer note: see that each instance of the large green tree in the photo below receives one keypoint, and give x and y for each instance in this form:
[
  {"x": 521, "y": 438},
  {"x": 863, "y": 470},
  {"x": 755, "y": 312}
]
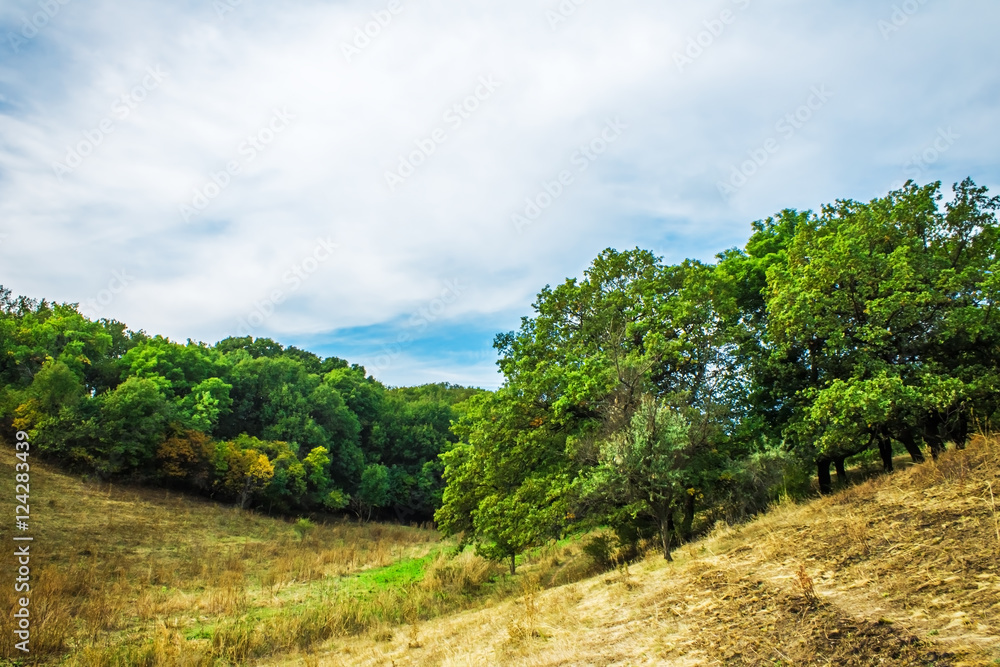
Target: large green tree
[
  {"x": 650, "y": 468},
  {"x": 508, "y": 477},
  {"x": 887, "y": 313}
]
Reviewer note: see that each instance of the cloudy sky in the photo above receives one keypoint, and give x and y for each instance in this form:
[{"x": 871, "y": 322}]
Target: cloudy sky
[{"x": 393, "y": 181}]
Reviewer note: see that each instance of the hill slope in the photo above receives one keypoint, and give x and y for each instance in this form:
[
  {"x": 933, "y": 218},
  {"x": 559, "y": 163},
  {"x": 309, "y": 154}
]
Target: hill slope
[
  {"x": 131, "y": 576},
  {"x": 899, "y": 570},
  {"x": 904, "y": 570}
]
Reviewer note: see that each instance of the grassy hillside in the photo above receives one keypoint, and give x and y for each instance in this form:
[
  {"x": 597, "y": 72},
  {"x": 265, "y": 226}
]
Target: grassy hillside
[
  {"x": 130, "y": 576},
  {"x": 899, "y": 570},
  {"x": 116, "y": 565}
]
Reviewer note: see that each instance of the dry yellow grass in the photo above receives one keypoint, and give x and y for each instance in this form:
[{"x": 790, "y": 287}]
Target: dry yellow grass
[
  {"x": 131, "y": 576},
  {"x": 899, "y": 570}
]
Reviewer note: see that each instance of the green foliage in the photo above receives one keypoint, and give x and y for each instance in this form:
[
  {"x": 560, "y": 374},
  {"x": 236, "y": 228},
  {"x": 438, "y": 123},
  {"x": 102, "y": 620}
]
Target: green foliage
[
  {"x": 246, "y": 420},
  {"x": 601, "y": 549},
  {"x": 649, "y": 468},
  {"x": 373, "y": 492},
  {"x": 130, "y": 423},
  {"x": 303, "y": 527},
  {"x": 508, "y": 480},
  {"x": 634, "y": 396},
  {"x": 642, "y": 392},
  {"x": 886, "y": 311},
  {"x": 576, "y": 375},
  {"x": 207, "y": 401}
]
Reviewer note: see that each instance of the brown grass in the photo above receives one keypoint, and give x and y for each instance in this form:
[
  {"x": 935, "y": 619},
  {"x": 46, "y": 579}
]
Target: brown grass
[
  {"x": 131, "y": 576},
  {"x": 897, "y": 570}
]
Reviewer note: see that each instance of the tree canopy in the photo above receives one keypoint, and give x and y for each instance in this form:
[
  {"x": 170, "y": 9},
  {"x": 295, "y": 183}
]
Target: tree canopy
[
  {"x": 639, "y": 396},
  {"x": 245, "y": 420},
  {"x": 644, "y": 392}
]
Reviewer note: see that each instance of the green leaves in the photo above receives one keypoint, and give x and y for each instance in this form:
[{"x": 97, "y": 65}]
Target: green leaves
[
  {"x": 104, "y": 399},
  {"x": 884, "y": 305},
  {"x": 576, "y": 375},
  {"x": 650, "y": 468},
  {"x": 507, "y": 480},
  {"x": 865, "y": 323},
  {"x": 373, "y": 491},
  {"x": 129, "y": 426}
]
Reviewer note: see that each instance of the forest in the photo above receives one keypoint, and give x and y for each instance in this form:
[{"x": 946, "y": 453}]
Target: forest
[
  {"x": 246, "y": 421},
  {"x": 648, "y": 398}
]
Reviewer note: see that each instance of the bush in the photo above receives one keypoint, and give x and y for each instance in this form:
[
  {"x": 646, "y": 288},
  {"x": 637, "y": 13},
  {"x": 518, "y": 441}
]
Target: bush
[
  {"x": 303, "y": 527},
  {"x": 748, "y": 486},
  {"x": 601, "y": 549}
]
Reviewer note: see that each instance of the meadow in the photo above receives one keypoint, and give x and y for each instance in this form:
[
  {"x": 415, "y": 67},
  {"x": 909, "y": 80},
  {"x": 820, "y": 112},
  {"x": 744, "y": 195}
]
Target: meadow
[{"x": 138, "y": 576}]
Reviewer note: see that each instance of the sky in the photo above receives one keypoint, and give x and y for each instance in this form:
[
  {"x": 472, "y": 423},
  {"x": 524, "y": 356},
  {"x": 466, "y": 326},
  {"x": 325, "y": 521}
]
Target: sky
[{"x": 392, "y": 181}]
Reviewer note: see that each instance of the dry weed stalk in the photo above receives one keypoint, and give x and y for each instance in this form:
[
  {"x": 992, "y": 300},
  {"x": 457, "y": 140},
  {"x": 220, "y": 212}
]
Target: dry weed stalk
[
  {"x": 412, "y": 619},
  {"x": 996, "y": 517},
  {"x": 413, "y": 637},
  {"x": 524, "y": 628},
  {"x": 625, "y": 578},
  {"x": 806, "y": 586},
  {"x": 857, "y": 530}
]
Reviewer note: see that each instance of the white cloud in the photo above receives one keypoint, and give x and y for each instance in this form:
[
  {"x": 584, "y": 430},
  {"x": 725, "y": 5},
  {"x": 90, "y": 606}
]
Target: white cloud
[{"x": 324, "y": 175}]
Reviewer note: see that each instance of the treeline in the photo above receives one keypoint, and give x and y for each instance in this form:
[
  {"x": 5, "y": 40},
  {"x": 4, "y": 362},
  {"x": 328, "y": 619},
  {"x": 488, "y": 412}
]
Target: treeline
[
  {"x": 246, "y": 420},
  {"x": 646, "y": 394}
]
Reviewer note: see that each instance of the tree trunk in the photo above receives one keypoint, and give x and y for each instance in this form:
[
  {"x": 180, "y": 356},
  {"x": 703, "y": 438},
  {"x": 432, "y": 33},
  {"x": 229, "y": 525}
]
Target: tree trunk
[
  {"x": 513, "y": 564},
  {"x": 841, "y": 472},
  {"x": 932, "y": 434},
  {"x": 909, "y": 441},
  {"x": 838, "y": 464},
  {"x": 667, "y": 533},
  {"x": 961, "y": 433},
  {"x": 823, "y": 472},
  {"x": 688, "y": 521},
  {"x": 885, "y": 449},
  {"x": 937, "y": 446}
]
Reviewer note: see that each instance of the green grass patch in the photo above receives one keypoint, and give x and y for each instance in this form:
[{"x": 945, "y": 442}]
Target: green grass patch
[{"x": 399, "y": 575}]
